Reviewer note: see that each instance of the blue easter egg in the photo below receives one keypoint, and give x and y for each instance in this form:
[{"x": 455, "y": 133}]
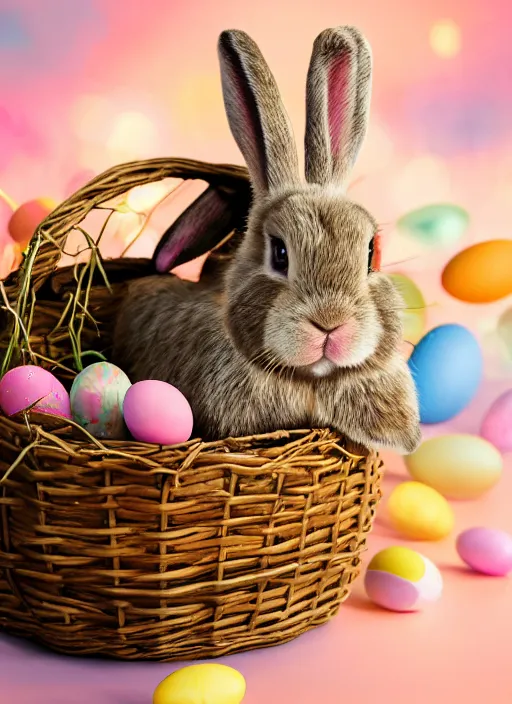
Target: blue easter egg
[{"x": 447, "y": 368}]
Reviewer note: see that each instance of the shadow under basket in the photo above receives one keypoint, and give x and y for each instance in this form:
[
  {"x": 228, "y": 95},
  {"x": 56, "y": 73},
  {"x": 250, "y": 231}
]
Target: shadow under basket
[{"x": 135, "y": 551}]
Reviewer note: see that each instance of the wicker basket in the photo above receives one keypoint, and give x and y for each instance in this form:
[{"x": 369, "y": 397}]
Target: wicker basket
[{"x": 141, "y": 552}]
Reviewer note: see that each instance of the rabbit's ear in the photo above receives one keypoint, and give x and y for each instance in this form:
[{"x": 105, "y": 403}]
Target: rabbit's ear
[
  {"x": 337, "y": 104},
  {"x": 201, "y": 227},
  {"x": 256, "y": 114}
]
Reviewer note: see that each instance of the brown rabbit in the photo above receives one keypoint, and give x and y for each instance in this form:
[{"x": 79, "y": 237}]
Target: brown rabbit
[{"x": 299, "y": 331}]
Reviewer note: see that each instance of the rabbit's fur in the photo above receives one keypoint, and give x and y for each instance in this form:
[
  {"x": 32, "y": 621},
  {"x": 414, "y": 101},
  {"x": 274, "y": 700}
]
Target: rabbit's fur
[{"x": 251, "y": 349}]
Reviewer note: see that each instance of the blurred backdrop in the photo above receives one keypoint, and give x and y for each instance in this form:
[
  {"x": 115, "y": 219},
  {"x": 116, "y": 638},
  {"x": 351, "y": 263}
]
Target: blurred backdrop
[{"x": 89, "y": 84}]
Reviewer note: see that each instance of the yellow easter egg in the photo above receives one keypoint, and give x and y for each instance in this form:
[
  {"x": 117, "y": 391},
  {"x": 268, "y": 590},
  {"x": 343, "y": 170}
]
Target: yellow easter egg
[
  {"x": 481, "y": 273},
  {"x": 458, "y": 466},
  {"x": 201, "y": 684},
  {"x": 399, "y": 561},
  {"x": 413, "y": 315},
  {"x": 420, "y": 512}
]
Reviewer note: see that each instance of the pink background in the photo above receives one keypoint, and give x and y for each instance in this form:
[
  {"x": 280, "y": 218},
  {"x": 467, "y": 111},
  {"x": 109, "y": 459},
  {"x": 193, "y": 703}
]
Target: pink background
[{"x": 85, "y": 85}]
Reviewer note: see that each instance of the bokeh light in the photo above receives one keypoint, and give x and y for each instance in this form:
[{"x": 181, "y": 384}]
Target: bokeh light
[
  {"x": 142, "y": 198},
  {"x": 421, "y": 181},
  {"x": 133, "y": 136},
  {"x": 91, "y": 117},
  {"x": 445, "y": 38}
]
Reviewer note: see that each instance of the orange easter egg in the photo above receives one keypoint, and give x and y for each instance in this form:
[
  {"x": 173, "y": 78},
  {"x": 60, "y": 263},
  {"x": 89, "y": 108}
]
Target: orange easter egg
[
  {"x": 481, "y": 273},
  {"x": 27, "y": 217},
  {"x": 10, "y": 255}
]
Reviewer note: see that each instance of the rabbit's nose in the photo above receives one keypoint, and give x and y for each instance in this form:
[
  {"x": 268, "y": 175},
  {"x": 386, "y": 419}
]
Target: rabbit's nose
[
  {"x": 326, "y": 331},
  {"x": 340, "y": 341}
]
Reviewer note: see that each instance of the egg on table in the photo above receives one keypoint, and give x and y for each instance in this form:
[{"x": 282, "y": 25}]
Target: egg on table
[
  {"x": 486, "y": 550},
  {"x": 400, "y": 579},
  {"x": 32, "y": 387},
  {"x": 419, "y": 512},
  {"x": 480, "y": 273},
  {"x": 447, "y": 368},
  {"x": 458, "y": 466},
  {"x": 97, "y": 397},
  {"x": 157, "y": 413},
  {"x": 497, "y": 423},
  {"x": 208, "y": 683}
]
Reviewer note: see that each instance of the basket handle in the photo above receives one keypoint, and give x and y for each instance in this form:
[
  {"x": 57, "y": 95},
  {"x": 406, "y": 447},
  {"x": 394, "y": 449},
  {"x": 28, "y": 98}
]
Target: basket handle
[{"x": 44, "y": 253}]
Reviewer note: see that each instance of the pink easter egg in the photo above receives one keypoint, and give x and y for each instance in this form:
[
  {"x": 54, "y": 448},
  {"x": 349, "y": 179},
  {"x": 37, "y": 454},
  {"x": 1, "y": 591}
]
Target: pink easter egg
[
  {"x": 157, "y": 413},
  {"x": 31, "y": 386},
  {"x": 486, "y": 550},
  {"x": 391, "y": 592},
  {"x": 27, "y": 217},
  {"x": 497, "y": 424}
]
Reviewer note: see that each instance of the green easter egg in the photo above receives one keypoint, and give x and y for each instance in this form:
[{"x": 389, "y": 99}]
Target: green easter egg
[{"x": 438, "y": 224}]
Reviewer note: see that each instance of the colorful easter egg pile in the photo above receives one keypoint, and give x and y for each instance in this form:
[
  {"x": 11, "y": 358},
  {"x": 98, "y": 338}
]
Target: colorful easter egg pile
[
  {"x": 481, "y": 273},
  {"x": 438, "y": 224},
  {"x": 419, "y": 512},
  {"x": 497, "y": 423},
  {"x": 413, "y": 315},
  {"x": 33, "y": 388},
  {"x": 208, "y": 683},
  {"x": 447, "y": 367},
  {"x": 401, "y": 579},
  {"x": 97, "y": 397},
  {"x": 458, "y": 466}
]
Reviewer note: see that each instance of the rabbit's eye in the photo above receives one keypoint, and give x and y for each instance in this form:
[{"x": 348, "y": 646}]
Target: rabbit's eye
[
  {"x": 374, "y": 254},
  {"x": 279, "y": 255},
  {"x": 371, "y": 251}
]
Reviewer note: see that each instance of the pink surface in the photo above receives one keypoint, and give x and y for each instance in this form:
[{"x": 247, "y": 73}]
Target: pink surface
[{"x": 455, "y": 652}]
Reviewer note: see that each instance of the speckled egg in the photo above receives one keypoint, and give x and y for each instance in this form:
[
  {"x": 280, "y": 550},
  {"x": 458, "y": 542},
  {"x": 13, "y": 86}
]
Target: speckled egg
[
  {"x": 36, "y": 388},
  {"x": 458, "y": 466},
  {"x": 486, "y": 550},
  {"x": 208, "y": 683},
  {"x": 401, "y": 579},
  {"x": 497, "y": 423},
  {"x": 447, "y": 367},
  {"x": 419, "y": 512},
  {"x": 480, "y": 273},
  {"x": 97, "y": 397},
  {"x": 158, "y": 413}
]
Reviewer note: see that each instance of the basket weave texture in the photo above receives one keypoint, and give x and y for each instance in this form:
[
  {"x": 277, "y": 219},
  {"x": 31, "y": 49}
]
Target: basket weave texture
[{"x": 135, "y": 551}]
